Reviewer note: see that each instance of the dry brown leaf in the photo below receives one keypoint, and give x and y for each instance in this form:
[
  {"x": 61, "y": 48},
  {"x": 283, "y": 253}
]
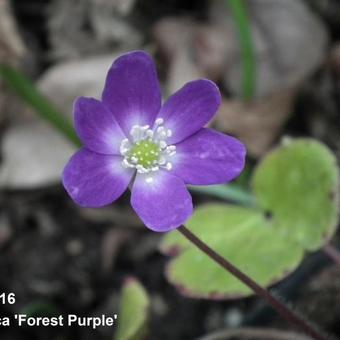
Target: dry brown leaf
[
  {"x": 257, "y": 124},
  {"x": 289, "y": 41},
  {"x": 11, "y": 46},
  {"x": 12, "y": 50},
  {"x": 107, "y": 24},
  {"x": 34, "y": 155},
  {"x": 65, "y": 81}
]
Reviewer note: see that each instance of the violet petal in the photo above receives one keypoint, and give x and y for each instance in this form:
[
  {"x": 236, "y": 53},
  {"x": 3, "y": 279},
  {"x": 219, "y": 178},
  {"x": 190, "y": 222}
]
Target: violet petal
[
  {"x": 132, "y": 90},
  {"x": 161, "y": 200},
  {"x": 209, "y": 157},
  {"x": 190, "y": 108},
  {"x": 97, "y": 127},
  {"x": 94, "y": 180}
]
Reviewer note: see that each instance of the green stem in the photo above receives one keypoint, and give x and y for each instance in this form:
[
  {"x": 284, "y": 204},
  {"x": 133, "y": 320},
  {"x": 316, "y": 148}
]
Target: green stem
[
  {"x": 25, "y": 89},
  {"x": 230, "y": 192},
  {"x": 240, "y": 15}
]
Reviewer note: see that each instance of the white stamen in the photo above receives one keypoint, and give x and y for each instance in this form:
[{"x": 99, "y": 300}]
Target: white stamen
[
  {"x": 159, "y": 121},
  {"x": 158, "y": 137},
  {"x": 162, "y": 160},
  {"x": 168, "y": 166},
  {"x": 124, "y": 146},
  {"x": 162, "y": 144},
  {"x": 126, "y": 164},
  {"x": 149, "y": 133}
]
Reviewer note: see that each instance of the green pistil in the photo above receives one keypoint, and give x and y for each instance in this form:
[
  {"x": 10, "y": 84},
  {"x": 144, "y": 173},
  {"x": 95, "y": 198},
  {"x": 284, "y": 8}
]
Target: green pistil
[{"x": 146, "y": 153}]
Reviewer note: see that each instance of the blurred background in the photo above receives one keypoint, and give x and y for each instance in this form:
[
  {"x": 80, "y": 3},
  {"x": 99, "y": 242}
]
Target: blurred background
[{"x": 277, "y": 64}]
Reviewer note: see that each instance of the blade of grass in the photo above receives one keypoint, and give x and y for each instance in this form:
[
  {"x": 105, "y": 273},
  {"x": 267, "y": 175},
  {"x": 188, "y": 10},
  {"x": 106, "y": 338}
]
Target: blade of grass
[
  {"x": 40, "y": 308},
  {"x": 240, "y": 16},
  {"x": 27, "y": 91}
]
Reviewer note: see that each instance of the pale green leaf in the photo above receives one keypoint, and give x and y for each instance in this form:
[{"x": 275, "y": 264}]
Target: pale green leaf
[
  {"x": 296, "y": 195},
  {"x": 241, "y": 235},
  {"x": 134, "y": 312},
  {"x": 297, "y": 184}
]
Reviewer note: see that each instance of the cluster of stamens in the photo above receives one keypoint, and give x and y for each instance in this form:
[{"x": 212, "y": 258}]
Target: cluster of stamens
[{"x": 147, "y": 150}]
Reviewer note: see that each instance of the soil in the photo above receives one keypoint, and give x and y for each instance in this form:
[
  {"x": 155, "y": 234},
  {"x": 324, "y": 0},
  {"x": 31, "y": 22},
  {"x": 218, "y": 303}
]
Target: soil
[{"x": 53, "y": 258}]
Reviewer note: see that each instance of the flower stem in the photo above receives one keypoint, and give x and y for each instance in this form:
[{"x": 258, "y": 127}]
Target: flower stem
[
  {"x": 281, "y": 308},
  {"x": 332, "y": 253}
]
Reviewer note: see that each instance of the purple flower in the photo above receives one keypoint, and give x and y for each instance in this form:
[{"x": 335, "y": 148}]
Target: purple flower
[{"x": 130, "y": 140}]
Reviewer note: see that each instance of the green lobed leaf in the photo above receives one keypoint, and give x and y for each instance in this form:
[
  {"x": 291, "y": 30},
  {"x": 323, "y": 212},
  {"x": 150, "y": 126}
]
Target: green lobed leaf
[
  {"x": 296, "y": 191},
  {"x": 241, "y": 235},
  {"x": 134, "y": 312},
  {"x": 297, "y": 184}
]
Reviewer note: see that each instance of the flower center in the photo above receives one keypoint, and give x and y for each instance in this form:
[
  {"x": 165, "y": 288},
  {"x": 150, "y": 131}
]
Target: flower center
[
  {"x": 146, "y": 152},
  {"x": 147, "y": 149}
]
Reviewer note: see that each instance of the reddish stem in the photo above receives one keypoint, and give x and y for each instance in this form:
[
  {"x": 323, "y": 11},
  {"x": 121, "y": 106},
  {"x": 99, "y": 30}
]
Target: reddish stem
[
  {"x": 332, "y": 253},
  {"x": 281, "y": 308}
]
